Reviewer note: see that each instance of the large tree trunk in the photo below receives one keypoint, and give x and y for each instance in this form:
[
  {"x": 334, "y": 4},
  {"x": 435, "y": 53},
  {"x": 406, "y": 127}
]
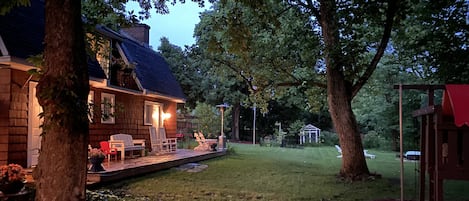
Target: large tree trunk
[
  {"x": 339, "y": 99},
  {"x": 62, "y": 92},
  {"x": 339, "y": 95},
  {"x": 235, "y": 121}
]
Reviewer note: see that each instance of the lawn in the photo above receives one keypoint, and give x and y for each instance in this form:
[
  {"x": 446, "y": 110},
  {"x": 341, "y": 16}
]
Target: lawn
[{"x": 251, "y": 172}]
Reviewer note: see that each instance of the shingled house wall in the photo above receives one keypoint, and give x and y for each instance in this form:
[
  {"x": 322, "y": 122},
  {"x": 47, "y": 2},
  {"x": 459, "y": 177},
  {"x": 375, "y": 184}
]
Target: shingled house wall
[
  {"x": 4, "y": 113},
  {"x": 14, "y": 116},
  {"x": 14, "y": 99},
  {"x": 129, "y": 117}
]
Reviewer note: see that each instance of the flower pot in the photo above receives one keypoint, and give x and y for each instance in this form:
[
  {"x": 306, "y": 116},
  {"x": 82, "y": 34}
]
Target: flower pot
[
  {"x": 12, "y": 187},
  {"x": 96, "y": 164}
]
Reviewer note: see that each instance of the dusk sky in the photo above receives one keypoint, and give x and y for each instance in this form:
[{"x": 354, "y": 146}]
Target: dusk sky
[{"x": 178, "y": 26}]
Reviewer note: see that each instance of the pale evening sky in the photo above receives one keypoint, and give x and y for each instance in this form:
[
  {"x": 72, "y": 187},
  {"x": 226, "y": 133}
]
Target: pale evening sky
[{"x": 178, "y": 26}]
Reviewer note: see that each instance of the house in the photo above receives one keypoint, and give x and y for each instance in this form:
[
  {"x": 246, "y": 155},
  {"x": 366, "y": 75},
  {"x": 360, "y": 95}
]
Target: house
[{"x": 131, "y": 86}]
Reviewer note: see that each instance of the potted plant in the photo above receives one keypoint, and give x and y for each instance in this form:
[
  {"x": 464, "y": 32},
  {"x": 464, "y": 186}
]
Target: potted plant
[
  {"x": 96, "y": 157},
  {"x": 12, "y": 178}
]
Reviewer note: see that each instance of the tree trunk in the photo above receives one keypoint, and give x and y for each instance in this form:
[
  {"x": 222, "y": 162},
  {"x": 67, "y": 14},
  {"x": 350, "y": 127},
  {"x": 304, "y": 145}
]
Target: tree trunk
[
  {"x": 354, "y": 165},
  {"x": 235, "y": 121},
  {"x": 62, "y": 92},
  {"x": 339, "y": 97}
]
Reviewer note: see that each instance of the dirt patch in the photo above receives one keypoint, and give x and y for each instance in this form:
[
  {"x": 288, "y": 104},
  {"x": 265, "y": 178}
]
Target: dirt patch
[{"x": 192, "y": 167}]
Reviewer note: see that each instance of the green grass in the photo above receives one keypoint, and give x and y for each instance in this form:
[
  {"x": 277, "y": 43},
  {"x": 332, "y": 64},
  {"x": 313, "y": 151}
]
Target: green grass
[{"x": 274, "y": 173}]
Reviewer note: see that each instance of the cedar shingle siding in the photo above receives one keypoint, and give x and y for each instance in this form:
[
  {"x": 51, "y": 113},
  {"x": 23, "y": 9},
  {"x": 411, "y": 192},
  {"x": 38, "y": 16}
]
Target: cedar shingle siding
[
  {"x": 22, "y": 31},
  {"x": 128, "y": 118},
  {"x": 13, "y": 116}
]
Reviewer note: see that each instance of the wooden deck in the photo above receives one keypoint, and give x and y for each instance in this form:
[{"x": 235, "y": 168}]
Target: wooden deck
[{"x": 118, "y": 170}]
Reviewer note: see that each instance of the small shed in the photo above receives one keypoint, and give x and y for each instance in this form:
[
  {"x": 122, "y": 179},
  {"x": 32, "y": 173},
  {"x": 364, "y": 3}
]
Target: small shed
[{"x": 309, "y": 133}]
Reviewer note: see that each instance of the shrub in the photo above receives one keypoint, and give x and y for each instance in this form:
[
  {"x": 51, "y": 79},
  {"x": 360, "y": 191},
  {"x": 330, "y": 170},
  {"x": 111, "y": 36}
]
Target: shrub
[
  {"x": 373, "y": 140},
  {"x": 329, "y": 138}
]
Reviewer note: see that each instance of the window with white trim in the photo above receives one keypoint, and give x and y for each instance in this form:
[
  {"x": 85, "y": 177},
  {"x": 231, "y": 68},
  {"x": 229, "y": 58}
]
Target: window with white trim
[
  {"x": 91, "y": 106},
  {"x": 152, "y": 114},
  {"x": 107, "y": 108}
]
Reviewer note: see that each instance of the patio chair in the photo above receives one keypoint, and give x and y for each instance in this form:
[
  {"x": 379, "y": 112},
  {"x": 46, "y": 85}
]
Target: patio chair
[
  {"x": 339, "y": 150},
  {"x": 170, "y": 142},
  {"x": 159, "y": 142},
  {"x": 155, "y": 142},
  {"x": 203, "y": 146},
  {"x": 107, "y": 150},
  {"x": 365, "y": 152},
  {"x": 372, "y": 156}
]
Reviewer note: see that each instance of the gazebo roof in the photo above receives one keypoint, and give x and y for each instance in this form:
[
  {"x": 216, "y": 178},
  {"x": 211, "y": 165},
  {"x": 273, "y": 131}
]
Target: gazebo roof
[{"x": 310, "y": 127}]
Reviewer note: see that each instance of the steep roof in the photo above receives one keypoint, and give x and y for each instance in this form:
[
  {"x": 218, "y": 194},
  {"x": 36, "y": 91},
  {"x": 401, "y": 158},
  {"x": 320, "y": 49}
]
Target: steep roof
[
  {"x": 151, "y": 69},
  {"x": 22, "y": 31}
]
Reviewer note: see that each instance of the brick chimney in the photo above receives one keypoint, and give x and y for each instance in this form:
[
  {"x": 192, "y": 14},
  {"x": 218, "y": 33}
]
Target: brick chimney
[{"x": 139, "y": 32}]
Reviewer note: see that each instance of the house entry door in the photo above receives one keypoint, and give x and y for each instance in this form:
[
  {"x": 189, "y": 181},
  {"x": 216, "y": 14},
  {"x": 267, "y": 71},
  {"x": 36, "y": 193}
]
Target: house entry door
[
  {"x": 34, "y": 126},
  {"x": 156, "y": 117}
]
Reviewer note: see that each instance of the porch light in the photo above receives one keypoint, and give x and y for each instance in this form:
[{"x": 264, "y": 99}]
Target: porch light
[{"x": 166, "y": 116}]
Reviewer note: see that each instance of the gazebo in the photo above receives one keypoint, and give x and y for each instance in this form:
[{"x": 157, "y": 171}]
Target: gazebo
[{"x": 309, "y": 133}]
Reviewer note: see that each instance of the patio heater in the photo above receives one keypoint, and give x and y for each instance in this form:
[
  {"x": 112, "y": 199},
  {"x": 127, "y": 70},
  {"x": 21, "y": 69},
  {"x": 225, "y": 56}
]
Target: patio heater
[{"x": 222, "y": 137}]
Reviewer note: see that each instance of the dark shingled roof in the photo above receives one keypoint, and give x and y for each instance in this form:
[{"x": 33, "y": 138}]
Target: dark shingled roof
[
  {"x": 151, "y": 69},
  {"x": 22, "y": 31}
]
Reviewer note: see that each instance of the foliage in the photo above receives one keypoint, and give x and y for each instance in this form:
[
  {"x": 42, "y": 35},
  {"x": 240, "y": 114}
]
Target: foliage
[
  {"x": 373, "y": 140},
  {"x": 295, "y": 127},
  {"x": 267, "y": 141},
  {"x": 209, "y": 119},
  {"x": 105, "y": 195},
  {"x": 11, "y": 173},
  {"x": 329, "y": 138},
  {"x": 112, "y": 195},
  {"x": 7, "y": 5},
  {"x": 96, "y": 153},
  {"x": 279, "y": 136},
  {"x": 433, "y": 41},
  {"x": 240, "y": 42},
  {"x": 376, "y": 105}
]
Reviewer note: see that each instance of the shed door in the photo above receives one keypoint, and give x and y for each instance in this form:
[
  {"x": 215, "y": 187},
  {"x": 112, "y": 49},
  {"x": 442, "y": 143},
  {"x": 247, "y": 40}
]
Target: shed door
[{"x": 34, "y": 129}]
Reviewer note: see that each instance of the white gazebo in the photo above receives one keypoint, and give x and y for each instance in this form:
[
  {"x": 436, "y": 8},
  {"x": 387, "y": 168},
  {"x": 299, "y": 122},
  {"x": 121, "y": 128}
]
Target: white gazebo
[{"x": 309, "y": 133}]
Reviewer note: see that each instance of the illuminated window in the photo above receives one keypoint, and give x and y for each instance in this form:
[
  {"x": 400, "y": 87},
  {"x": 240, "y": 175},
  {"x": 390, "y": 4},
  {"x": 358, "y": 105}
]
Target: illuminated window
[
  {"x": 152, "y": 114},
  {"x": 107, "y": 108}
]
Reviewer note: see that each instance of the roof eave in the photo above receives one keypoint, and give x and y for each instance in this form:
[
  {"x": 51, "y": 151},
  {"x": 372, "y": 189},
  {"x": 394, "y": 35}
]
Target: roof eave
[
  {"x": 109, "y": 32},
  {"x": 162, "y": 96},
  {"x": 16, "y": 63}
]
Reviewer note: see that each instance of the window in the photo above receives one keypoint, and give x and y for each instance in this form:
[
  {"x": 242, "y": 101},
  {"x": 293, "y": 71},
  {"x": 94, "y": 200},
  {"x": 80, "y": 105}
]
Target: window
[
  {"x": 152, "y": 114},
  {"x": 107, "y": 108},
  {"x": 91, "y": 106}
]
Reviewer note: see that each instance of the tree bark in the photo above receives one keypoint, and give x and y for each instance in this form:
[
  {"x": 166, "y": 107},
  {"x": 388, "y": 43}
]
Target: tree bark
[
  {"x": 235, "y": 121},
  {"x": 62, "y": 92},
  {"x": 339, "y": 97}
]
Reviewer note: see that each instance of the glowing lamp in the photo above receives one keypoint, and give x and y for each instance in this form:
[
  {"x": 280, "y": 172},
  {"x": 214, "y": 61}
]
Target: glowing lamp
[{"x": 166, "y": 116}]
